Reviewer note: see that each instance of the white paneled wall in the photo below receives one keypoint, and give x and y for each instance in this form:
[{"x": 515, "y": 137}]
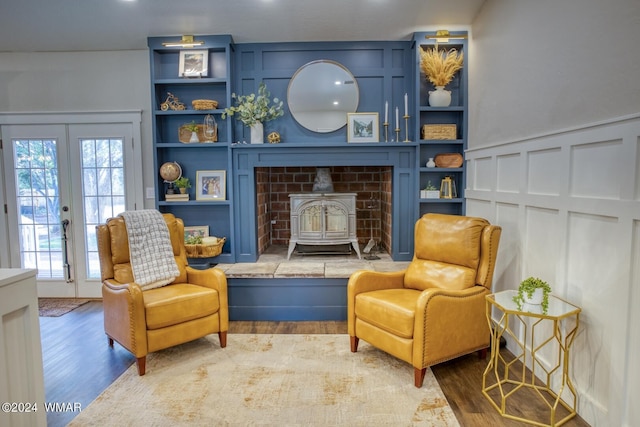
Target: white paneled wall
[{"x": 569, "y": 206}]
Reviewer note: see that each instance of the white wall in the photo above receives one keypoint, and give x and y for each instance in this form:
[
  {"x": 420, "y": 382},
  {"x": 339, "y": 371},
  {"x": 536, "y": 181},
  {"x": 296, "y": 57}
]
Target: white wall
[
  {"x": 554, "y": 159},
  {"x": 80, "y": 81},
  {"x": 541, "y": 65}
]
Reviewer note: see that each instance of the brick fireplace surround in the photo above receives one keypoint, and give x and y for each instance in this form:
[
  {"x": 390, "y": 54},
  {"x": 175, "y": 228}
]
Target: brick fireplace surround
[{"x": 274, "y": 184}]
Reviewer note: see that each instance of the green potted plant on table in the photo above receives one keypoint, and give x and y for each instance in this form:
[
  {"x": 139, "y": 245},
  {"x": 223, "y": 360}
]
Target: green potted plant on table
[
  {"x": 183, "y": 184},
  {"x": 253, "y": 110},
  {"x": 533, "y": 291}
]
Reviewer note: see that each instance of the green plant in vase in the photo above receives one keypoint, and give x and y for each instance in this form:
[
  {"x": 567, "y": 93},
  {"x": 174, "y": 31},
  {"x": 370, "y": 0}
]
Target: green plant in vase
[
  {"x": 253, "y": 110},
  {"x": 430, "y": 192},
  {"x": 430, "y": 186},
  {"x": 193, "y": 128},
  {"x": 527, "y": 289},
  {"x": 183, "y": 184}
]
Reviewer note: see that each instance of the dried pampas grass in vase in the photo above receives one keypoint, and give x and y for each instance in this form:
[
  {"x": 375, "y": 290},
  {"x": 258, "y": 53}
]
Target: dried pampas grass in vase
[{"x": 440, "y": 66}]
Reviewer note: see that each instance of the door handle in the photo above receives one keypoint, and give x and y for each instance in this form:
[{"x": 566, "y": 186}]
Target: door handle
[{"x": 65, "y": 253}]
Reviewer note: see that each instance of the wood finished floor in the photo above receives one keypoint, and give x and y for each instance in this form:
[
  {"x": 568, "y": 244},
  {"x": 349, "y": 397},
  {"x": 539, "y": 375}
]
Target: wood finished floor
[{"x": 79, "y": 365}]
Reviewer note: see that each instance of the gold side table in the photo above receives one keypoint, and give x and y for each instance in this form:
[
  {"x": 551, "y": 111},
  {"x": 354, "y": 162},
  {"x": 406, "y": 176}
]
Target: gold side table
[{"x": 502, "y": 379}]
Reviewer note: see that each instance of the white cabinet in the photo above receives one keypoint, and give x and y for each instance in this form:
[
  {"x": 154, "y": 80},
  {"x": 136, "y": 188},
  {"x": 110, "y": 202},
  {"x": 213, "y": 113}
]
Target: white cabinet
[
  {"x": 21, "y": 371},
  {"x": 323, "y": 219}
]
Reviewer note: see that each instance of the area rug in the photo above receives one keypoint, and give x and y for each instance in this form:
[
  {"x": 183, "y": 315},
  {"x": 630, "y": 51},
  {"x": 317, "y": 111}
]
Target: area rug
[
  {"x": 56, "y": 307},
  {"x": 270, "y": 380}
]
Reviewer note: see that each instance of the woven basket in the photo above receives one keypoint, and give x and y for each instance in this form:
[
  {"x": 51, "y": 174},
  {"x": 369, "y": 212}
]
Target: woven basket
[
  {"x": 448, "y": 160},
  {"x": 204, "y": 104},
  {"x": 184, "y": 134},
  {"x": 439, "y": 132},
  {"x": 205, "y": 251}
]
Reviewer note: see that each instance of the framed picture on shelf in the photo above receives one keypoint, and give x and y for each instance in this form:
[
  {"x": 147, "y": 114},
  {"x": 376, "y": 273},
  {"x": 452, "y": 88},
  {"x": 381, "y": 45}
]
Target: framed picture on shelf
[
  {"x": 363, "y": 127},
  {"x": 194, "y": 63},
  {"x": 211, "y": 185},
  {"x": 196, "y": 231}
]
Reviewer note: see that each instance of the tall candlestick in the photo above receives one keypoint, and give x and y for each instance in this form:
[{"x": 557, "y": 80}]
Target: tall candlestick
[
  {"x": 397, "y": 130},
  {"x": 386, "y": 111},
  {"x": 406, "y": 104}
]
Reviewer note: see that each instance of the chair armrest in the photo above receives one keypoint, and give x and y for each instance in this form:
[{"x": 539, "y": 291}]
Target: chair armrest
[
  {"x": 213, "y": 278},
  {"x": 365, "y": 281},
  {"x": 449, "y": 321},
  {"x": 124, "y": 315}
]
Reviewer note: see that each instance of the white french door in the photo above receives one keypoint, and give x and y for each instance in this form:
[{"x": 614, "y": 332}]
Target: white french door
[{"x": 66, "y": 179}]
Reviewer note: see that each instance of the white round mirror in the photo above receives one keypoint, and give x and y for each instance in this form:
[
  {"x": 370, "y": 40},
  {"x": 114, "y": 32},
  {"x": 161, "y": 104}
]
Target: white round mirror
[{"x": 320, "y": 95}]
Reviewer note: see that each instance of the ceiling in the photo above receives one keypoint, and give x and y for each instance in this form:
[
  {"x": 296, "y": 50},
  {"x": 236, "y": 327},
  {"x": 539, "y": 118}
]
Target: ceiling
[{"x": 91, "y": 25}]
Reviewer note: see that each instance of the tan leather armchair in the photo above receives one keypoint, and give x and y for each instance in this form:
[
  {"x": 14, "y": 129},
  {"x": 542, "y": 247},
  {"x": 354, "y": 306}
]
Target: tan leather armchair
[
  {"x": 193, "y": 306},
  {"x": 435, "y": 309}
]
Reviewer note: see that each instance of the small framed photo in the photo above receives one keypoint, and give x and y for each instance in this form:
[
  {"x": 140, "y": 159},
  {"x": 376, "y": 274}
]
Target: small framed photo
[
  {"x": 194, "y": 63},
  {"x": 195, "y": 231},
  {"x": 363, "y": 127},
  {"x": 211, "y": 185}
]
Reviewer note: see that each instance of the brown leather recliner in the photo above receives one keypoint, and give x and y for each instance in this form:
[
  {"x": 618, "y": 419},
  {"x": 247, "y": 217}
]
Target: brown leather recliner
[
  {"x": 194, "y": 305},
  {"x": 435, "y": 309}
]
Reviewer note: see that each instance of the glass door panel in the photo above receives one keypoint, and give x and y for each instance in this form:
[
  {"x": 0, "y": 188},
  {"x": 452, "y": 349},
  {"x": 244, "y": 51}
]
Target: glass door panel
[
  {"x": 66, "y": 179},
  {"x": 38, "y": 200}
]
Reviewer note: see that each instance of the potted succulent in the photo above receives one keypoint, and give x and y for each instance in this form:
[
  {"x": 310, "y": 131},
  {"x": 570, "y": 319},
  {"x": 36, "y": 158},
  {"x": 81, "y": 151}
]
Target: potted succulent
[
  {"x": 253, "y": 110},
  {"x": 429, "y": 192},
  {"x": 183, "y": 184},
  {"x": 533, "y": 291},
  {"x": 193, "y": 127},
  {"x": 440, "y": 66}
]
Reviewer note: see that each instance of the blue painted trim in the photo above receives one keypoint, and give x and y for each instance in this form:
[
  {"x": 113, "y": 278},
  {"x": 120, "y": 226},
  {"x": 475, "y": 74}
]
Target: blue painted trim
[{"x": 287, "y": 299}]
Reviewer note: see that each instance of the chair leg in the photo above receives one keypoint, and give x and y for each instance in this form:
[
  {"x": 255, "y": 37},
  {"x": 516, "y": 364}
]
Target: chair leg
[
  {"x": 354, "y": 344},
  {"x": 110, "y": 342},
  {"x": 418, "y": 376},
  {"x": 223, "y": 338},
  {"x": 482, "y": 354},
  {"x": 142, "y": 365}
]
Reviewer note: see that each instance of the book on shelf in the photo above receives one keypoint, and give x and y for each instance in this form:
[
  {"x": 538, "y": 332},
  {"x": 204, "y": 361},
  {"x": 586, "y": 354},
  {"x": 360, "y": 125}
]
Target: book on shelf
[{"x": 176, "y": 197}]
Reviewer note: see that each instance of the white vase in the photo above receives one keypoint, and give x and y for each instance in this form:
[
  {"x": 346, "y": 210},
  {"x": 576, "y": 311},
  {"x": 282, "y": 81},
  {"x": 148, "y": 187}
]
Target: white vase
[
  {"x": 439, "y": 97},
  {"x": 536, "y": 297},
  {"x": 194, "y": 137},
  {"x": 431, "y": 163},
  {"x": 257, "y": 133}
]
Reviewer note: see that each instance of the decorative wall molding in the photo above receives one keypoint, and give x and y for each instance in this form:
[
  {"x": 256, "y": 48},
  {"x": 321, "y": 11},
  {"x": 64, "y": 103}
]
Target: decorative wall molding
[
  {"x": 246, "y": 158},
  {"x": 569, "y": 205}
]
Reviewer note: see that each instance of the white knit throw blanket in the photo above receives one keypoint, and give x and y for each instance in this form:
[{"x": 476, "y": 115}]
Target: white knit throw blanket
[{"x": 152, "y": 261}]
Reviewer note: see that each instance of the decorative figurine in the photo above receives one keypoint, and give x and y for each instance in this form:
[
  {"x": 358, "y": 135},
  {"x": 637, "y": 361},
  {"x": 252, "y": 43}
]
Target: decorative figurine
[{"x": 273, "y": 137}]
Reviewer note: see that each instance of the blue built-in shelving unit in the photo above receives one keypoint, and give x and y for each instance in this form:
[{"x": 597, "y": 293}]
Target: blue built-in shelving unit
[
  {"x": 385, "y": 71},
  {"x": 214, "y": 84},
  {"x": 455, "y": 114}
]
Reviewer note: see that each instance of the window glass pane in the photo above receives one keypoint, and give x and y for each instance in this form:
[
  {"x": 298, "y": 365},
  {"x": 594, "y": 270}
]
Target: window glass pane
[
  {"x": 117, "y": 182},
  {"x": 103, "y": 154},
  {"x": 117, "y": 159},
  {"x": 104, "y": 185},
  {"x": 35, "y": 162},
  {"x": 88, "y": 153},
  {"x": 89, "y": 181}
]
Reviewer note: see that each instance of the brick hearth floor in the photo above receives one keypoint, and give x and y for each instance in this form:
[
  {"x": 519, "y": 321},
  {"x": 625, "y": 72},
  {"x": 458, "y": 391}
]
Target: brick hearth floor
[{"x": 273, "y": 263}]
